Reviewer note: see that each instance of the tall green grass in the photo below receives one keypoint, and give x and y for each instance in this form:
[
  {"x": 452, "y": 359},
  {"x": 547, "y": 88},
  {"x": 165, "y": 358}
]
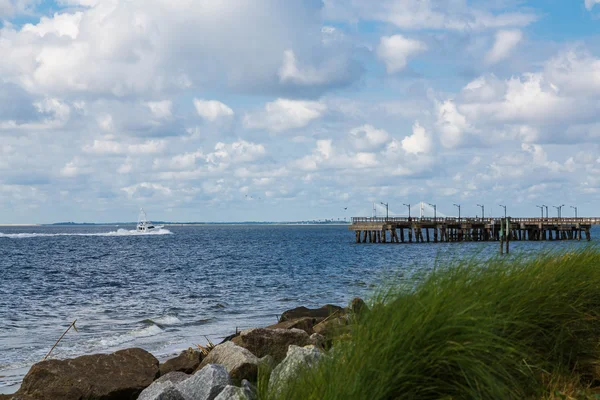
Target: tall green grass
[{"x": 502, "y": 330}]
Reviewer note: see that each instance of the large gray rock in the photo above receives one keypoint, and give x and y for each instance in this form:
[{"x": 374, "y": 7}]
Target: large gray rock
[
  {"x": 296, "y": 359},
  {"x": 173, "y": 377},
  {"x": 245, "y": 392},
  {"x": 164, "y": 387},
  {"x": 187, "y": 362},
  {"x": 165, "y": 390},
  {"x": 239, "y": 362},
  {"x": 120, "y": 375},
  {"x": 206, "y": 384},
  {"x": 274, "y": 342},
  {"x": 318, "y": 340}
]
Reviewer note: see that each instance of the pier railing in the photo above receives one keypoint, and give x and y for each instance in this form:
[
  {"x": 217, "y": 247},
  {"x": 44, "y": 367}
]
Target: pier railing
[{"x": 467, "y": 220}]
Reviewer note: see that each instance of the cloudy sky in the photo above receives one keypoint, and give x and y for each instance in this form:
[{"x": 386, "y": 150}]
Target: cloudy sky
[{"x": 209, "y": 110}]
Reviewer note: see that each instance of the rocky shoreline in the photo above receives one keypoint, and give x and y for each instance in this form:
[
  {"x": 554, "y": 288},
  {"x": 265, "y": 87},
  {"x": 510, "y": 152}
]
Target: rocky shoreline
[{"x": 226, "y": 371}]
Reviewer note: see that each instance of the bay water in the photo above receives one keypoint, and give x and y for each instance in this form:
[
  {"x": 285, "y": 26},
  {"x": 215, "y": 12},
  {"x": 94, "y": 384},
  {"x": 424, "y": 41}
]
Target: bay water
[{"x": 183, "y": 285}]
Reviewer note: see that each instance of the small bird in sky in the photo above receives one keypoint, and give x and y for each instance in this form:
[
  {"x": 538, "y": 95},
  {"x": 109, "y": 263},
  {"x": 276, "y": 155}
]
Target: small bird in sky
[{"x": 345, "y": 208}]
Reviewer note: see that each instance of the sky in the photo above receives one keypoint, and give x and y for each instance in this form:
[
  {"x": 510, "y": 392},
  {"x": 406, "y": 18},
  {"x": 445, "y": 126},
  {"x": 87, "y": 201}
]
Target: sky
[{"x": 270, "y": 110}]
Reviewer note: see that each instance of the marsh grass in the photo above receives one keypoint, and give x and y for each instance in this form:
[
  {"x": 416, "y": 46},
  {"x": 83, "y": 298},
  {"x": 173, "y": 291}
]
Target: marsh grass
[{"x": 469, "y": 330}]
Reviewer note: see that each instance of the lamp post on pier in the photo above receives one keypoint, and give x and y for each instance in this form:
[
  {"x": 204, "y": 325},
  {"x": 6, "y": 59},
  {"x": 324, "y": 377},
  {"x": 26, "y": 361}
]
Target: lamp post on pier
[
  {"x": 408, "y": 205},
  {"x": 546, "y": 210},
  {"x": 482, "y": 211},
  {"x": 434, "y": 212},
  {"x": 541, "y": 208},
  {"x": 504, "y": 209},
  {"x": 558, "y": 210},
  {"x": 575, "y": 208},
  {"x": 458, "y": 205},
  {"x": 386, "y": 210}
]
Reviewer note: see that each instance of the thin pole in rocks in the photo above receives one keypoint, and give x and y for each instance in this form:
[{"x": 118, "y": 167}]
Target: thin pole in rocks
[{"x": 60, "y": 338}]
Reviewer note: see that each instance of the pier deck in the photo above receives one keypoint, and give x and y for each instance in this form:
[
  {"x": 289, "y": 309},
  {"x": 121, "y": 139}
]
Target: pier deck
[{"x": 426, "y": 230}]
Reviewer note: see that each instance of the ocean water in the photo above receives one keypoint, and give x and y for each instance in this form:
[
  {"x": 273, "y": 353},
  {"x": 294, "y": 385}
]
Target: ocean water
[{"x": 177, "y": 287}]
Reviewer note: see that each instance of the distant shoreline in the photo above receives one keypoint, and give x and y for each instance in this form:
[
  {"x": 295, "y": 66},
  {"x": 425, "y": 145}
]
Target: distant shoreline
[
  {"x": 337, "y": 223},
  {"x": 263, "y": 223},
  {"x": 17, "y": 225}
]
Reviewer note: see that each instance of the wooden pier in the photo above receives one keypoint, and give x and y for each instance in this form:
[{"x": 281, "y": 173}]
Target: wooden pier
[{"x": 434, "y": 230}]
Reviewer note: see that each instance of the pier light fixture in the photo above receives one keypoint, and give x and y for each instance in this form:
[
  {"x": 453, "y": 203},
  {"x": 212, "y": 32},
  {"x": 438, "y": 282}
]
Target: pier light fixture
[
  {"x": 504, "y": 209},
  {"x": 434, "y": 211},
  {"x": 559, "y": 210},
  {"x": 482, "y": 210},
  {"x": 574, "y": 208},
  {"x": 543, "y": 205},
  {"x": 541, "y": 208},
  {"x": 386, "y": 210},
  {"x": 408, "y": 205},
  {"x": 458, "y": 205}
]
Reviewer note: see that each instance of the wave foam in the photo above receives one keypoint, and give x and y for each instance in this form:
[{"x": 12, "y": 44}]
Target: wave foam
[
  {"x": 119, "y": 232},
  {"x": 148, "y": 331},
  {"x": 165, "y": 320}
]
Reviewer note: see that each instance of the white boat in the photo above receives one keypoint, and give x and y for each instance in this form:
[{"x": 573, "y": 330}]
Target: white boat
[{"x": 144, "y": 226}]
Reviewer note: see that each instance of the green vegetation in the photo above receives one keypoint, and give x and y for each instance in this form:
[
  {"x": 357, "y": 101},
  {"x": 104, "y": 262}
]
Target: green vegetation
[{"x": 510, "y": 329}]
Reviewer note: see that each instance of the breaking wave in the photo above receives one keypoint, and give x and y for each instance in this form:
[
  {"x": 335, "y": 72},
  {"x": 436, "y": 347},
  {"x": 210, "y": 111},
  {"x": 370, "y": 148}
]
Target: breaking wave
[
  {"x": 165, "y": 320},
  {"x": 148, "y": 331},
  {"x": 119, "y": 232}
]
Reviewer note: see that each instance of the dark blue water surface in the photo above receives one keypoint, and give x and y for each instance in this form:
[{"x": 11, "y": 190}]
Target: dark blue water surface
[{"x": 165, "y": 292}]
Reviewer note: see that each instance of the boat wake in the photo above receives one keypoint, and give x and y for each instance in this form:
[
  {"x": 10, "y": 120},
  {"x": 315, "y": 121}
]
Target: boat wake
[{"x": 119, "y": 232}]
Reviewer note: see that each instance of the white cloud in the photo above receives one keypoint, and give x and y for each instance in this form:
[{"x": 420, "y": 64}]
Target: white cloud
[
  {"x": 147, "y": 189},
  {"x": 54, "y": 106},
  {"x": 504, "y": 44},
  {"x": 149, "y": 147},
  {"x": 126, "y": 167},
  {"x": 558, "y": 104},
  {"x": 589, "y": 4},
  {"x": 418, "y": 142},
  {"x": 540, "y": 158},
  {"x": 525, "y": 99},
  {"x": 55, "y": 112},
  {"x": 160, "y": 109},
  {"x": 9, "y": 8},
  {"x": 186, "y": 160},
  {"x": 333, "y": 71},
  {"x": 367, "y": 137},
  {"x": 395, "y": 50},
  {"x": 236, "y": 152},
  {"x": 284, "y": 114},
  {"x": 125, "y": 48},
  {"x": 212, "y": 110},
  {"x": 105, "y": 122},
  {"x": 114, "y": 147},
  {"x": 75, "y": 167},
  {"x": 69, "y": 170},
  {"x": 574, "y": 72},
  {"x": 326, "y": 155},
  {"x": 452, "y": 124},
  {"x": 59, "y": 25}
]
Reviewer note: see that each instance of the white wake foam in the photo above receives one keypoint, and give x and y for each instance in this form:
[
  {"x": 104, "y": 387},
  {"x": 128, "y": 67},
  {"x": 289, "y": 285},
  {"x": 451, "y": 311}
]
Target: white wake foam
[{"x": 119, "y": 232}]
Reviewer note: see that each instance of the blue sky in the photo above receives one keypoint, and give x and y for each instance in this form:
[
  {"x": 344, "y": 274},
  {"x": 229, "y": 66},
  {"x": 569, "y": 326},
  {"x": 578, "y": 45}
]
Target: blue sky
[{"x": 268, "y": 110}]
